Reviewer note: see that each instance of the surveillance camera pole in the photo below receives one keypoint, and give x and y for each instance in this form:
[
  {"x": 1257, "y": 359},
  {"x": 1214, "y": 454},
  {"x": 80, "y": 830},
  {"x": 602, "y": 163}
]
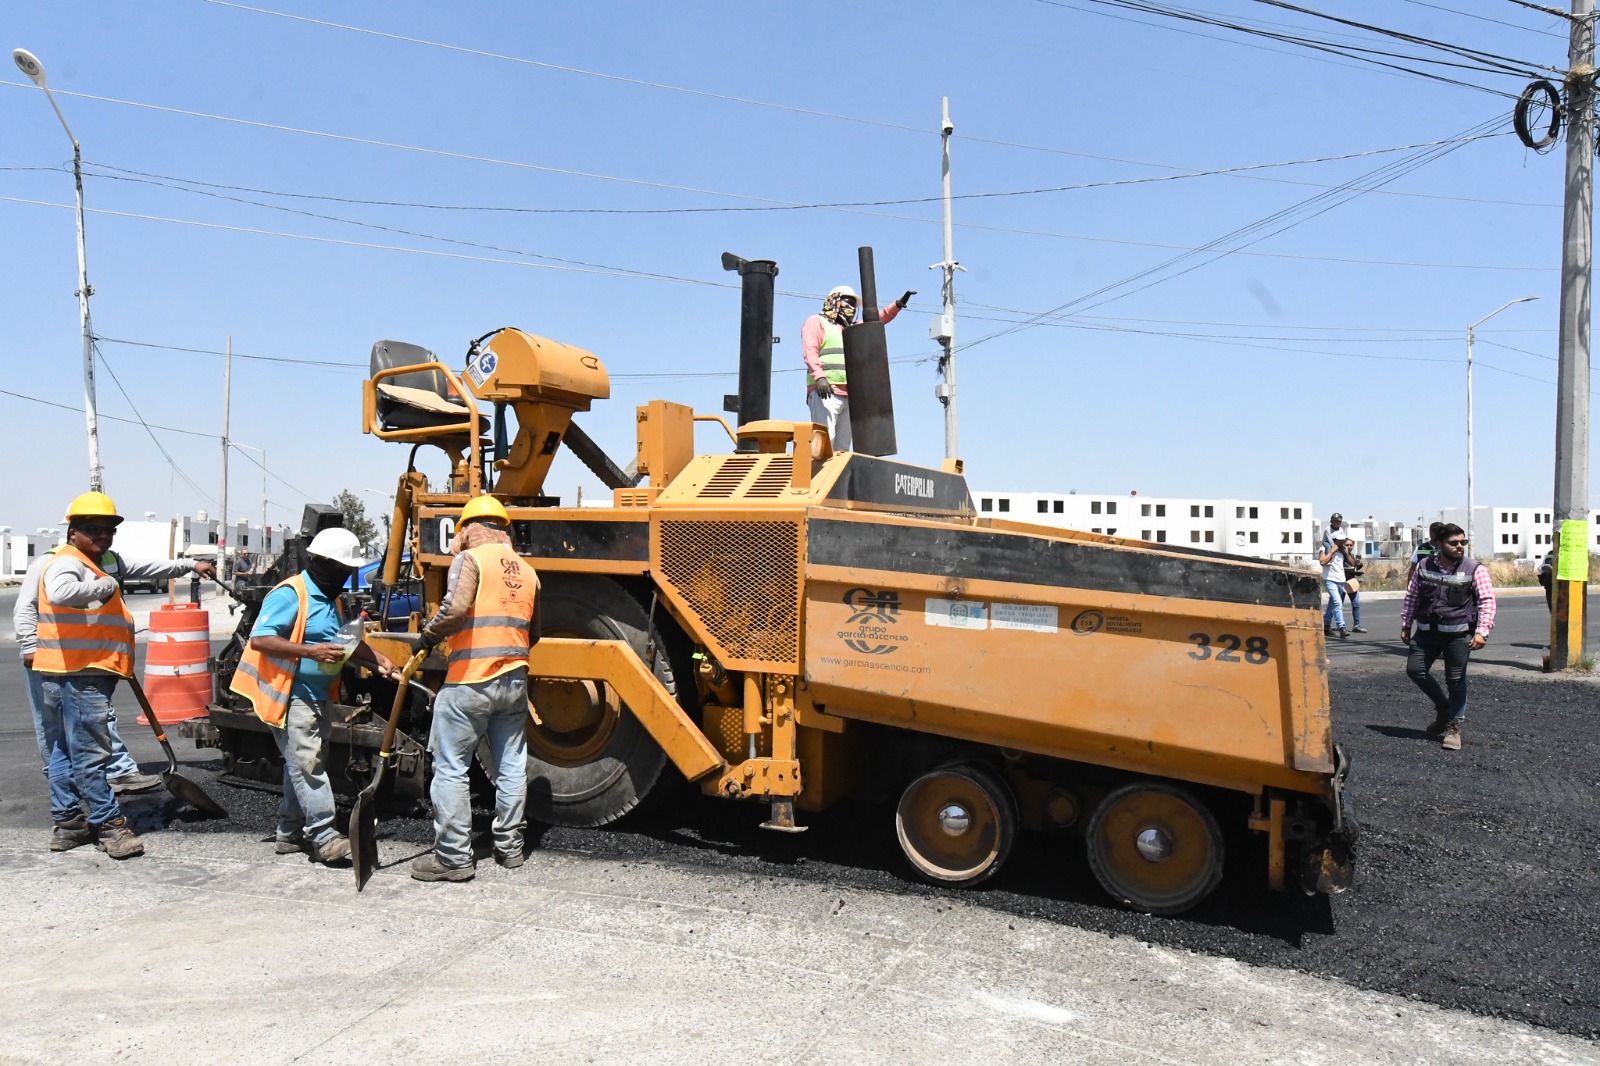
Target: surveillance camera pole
[{"x": 943, "y": 329}]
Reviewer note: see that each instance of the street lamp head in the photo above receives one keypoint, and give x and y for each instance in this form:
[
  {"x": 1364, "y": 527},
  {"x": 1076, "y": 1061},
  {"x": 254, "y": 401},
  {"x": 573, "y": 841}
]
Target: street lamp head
[{"x": 29, "y": 64}]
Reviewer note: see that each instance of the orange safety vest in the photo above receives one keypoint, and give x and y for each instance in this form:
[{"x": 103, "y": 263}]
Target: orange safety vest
[
  {"x": 266, "y": 680},
  {"x": 495, "y": 636},
  {"x": 75, "y": 639}
]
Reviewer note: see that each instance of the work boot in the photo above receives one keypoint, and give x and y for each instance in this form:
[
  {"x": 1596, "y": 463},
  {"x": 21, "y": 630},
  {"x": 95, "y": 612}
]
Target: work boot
[
  {"x": 72, "y": 833},
  {"x": 1441, "y": 718},
  {"x": 292, "y": 844},
  {"x": 336, "y": 850},
  {"x": 1359, "y": 629},
  {"x": 1344, "y": 634},
  {"x": 511, "y": 858},
  {"x": 117, "y": 840},
  {"x": 1451, "y": 741},
  {"x": 1327, "y": 631},
  {"x": 429, "y": 868},
  {"x": 134, "y": 782}
]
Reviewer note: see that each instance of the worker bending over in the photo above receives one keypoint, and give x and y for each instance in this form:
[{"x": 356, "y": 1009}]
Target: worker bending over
[
  {"x": 289, "y": 672},
  {"x": 822, "y": 346},
  {"x": 83, "y": 645},
  {"x": 490, "y": 616}
]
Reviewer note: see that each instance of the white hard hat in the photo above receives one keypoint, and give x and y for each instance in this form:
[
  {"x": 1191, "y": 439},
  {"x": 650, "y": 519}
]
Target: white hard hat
[
  {"x": 844, "y": 290},
  {"x": 340, "y": 545}
]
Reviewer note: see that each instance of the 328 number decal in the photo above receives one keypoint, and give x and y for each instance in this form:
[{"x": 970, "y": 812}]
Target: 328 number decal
[{"x": 1225, "y": 648}]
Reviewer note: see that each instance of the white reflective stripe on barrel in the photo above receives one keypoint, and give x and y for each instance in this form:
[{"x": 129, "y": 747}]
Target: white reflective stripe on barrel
[
  {"x": 186, "y": 635},
  {"x": 176, "y": 671}
]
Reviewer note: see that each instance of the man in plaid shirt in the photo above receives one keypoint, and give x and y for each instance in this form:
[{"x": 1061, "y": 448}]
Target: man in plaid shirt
[{"x": 1451, "y": 602}]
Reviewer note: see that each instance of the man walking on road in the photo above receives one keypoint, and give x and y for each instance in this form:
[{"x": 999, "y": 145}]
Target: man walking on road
[
  {"x": 84, "y": 644},
  {"x": 288, "y": 672},
  {"x": 490, "y": 615},
  {"x": 1332, "y": 560},
  {"x": 822, "y": 348},
  {"x": 1451, "y": 601}
]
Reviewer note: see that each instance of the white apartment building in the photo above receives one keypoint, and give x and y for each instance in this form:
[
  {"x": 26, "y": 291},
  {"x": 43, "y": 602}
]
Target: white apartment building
[
  {"x": 1521, "y": 532},
  {"x": 18, "y": 550},
  {"x": 146, "y": 539},
  {"x": 1265, "y": 529}
]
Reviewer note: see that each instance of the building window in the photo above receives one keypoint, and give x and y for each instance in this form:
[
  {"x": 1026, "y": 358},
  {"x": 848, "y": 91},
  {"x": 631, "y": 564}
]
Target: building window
[
  {"x": 1286, "y": 536},
  {"x": 1255, "y": 538},
  {"x": 1194, "y": 510},
  {"x": 986, "y": 504},
  {"x": 1005, "y": 504},
  {"x": 1254, "y": 513},
  {"x": 1297, "y": 538},
  {"x": 1094, "y": 507},
  {"x": 1514, "y": 517},
  {"x": 1283, "y": 512},
  {"x": 1208, "y": 511},
  {"x": 1210, "y": 536},
  {"x": 1059, "y": 507},
  {"x": 1297, "y": 512},
  {"x": 1505, "y": 538},
  {"x": 1194, "y": 536},
  {"x": 1111, "y": 532},
  {"x": 1044, "y": 506},
  {"x": 1514, "y": 537},
  {"x": 1161, "y": 536},
  {"x": 1144, "y": 535},
  {"x": 1096, "y": 529},
  {"x": 1161, "y": 510},
  {"x": 1144, "y": 510},
  {"x": 1238, "y": 512},
  {"x": 1111, "y": 507},
  {"x": 1505, "y": 516}
]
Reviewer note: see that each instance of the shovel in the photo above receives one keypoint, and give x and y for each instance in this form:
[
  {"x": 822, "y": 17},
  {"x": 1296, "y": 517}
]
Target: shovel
[
  {"x": 363, "y": 815},
  {"x": 177, "y": 785}
]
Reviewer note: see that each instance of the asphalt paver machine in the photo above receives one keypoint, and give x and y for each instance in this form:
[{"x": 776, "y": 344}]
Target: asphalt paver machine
[{"x": 785, "y": 625}]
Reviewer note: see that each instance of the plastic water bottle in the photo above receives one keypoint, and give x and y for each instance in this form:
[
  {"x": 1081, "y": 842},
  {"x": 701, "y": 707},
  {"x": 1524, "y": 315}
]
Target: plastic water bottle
[{"x": 349, "y": 637}]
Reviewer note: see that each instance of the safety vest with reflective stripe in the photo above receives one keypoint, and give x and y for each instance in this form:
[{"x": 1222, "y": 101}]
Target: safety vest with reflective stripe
[
  {"x": 494, "y": 638},
  {"x": 831, "y": 354},
  {"x": 266, "y": 680},
  {"x": 75, "y": 639}
]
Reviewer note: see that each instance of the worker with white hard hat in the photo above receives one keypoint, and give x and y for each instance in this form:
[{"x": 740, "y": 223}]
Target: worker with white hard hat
[
  {"x": 289, "y": 671},
  {"x": 83, "y": 643},
  {"x": 822, "y": 347}
]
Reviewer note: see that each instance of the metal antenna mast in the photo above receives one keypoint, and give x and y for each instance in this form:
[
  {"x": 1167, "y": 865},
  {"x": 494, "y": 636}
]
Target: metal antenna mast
[{"x": 943, "y": 328}]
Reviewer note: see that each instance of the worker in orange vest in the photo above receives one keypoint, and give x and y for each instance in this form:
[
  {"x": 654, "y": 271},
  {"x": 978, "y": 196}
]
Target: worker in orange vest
[
  {"x": 490, "y": 616},
  {"x": 289, "y": 672},
  {"x": 85, "y": 644}
]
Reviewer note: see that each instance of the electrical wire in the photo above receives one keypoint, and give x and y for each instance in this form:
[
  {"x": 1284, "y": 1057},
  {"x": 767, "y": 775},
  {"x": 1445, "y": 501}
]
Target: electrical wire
[
  {"x": 1485, "y": 18},
  {"x": 171, "y": 462},
  {"x": 301, "y": 492}
]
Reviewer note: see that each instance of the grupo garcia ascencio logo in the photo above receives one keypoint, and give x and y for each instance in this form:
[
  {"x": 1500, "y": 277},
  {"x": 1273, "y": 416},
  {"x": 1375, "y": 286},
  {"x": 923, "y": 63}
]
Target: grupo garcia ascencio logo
[{"x": 871, "y": 627}]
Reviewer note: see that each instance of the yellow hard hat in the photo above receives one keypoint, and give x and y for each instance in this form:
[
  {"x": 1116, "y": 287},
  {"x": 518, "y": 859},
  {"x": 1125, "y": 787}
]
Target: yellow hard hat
[
  {"x": 93, "y": 505},
  {"x": 484, "y": 507}
]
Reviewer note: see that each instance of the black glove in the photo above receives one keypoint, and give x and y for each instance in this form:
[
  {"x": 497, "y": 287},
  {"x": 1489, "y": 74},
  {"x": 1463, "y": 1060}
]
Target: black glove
[
  {"x": 906, "y": 299},
  {"x": 824, "y": 388}
]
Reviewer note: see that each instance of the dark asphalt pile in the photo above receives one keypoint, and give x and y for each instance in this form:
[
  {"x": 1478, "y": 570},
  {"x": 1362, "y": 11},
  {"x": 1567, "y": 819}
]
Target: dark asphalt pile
[{"x": 1475, "y": 887}]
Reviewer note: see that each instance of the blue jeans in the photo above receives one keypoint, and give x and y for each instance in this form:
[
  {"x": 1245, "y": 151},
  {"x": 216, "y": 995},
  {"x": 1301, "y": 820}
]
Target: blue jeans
[
  {"x": 307, "y": 807},
  {"x": 462, "y": 716},
  {"x": 1333, "y": 613},
  {"x": 76, "y": 712},
  {"x": 1426, "y": 648},
  {"x": 1355, "y": 609},
  {"x": 122, "y": 763}
]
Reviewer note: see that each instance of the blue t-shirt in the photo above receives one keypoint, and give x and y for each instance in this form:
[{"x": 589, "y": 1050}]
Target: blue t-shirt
[{"x": 276, "y": 619}]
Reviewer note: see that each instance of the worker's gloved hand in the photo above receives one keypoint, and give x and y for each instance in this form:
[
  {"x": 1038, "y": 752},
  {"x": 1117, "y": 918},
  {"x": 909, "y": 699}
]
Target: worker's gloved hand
[
  {"x": 905, "y": 300},
  {"x": 824, "y": 388}
]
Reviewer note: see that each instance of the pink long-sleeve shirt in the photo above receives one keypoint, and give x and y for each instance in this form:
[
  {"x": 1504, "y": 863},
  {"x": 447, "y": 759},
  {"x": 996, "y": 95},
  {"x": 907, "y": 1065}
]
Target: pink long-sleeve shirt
[
  {"x": 811, "y": 346},
  {"x": 1480, "y": 582}
]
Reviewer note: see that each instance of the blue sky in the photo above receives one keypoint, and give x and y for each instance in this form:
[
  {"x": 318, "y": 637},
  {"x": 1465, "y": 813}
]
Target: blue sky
[{"x": 1325, "y": 362}]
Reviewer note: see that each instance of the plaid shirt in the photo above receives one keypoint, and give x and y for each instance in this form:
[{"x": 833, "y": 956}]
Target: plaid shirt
[{"x": 1480, "y": 584}]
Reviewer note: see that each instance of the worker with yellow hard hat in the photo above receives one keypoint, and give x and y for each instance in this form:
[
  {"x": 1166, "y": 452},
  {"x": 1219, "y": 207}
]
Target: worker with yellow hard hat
[
  {"x": 289, "y": 672},
  {"x": 490, "y": 616},
  {"x": 84, "y": 644}
]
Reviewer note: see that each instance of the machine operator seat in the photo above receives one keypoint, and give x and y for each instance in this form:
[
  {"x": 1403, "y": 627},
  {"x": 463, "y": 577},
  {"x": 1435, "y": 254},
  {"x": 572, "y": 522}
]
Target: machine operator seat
[{"x": 413, "y": 401}]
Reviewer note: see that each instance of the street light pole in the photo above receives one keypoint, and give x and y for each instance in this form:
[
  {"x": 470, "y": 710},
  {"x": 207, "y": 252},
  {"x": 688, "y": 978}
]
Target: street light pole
[
  {"x": 1470, "y": 333},
  {"x": 29, "y": 64}
]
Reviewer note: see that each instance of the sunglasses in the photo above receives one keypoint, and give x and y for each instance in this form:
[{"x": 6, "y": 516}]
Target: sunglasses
[
  {"x": 1455, "y": 544},
  {"x": 97, "y": 531}
]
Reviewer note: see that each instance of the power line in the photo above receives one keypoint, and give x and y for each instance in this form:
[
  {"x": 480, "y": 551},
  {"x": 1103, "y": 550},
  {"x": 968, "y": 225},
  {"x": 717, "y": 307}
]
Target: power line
[
  {"x": 1485, "y": 18},
  {"x": 171, "y": 462},
  {"x": 1510, "y": 66},
  {"x": 275, "y": 477}
]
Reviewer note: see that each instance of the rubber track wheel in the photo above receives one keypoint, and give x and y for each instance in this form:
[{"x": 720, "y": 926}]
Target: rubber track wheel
[
  {"x": 632, "y": 770},
  {"x": 1202, "y": 842}
]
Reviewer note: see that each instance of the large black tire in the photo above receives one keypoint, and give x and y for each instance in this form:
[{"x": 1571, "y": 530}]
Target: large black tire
[{"x": 609, "y": 766}]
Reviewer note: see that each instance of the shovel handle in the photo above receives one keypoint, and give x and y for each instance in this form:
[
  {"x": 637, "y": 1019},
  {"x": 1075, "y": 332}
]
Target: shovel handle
[
  {"x": 150, "y": 716},
  {"x": 413, "y": 664}
]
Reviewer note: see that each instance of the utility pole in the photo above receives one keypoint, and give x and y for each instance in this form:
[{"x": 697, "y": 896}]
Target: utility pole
[
  {"x": 943, "y": 329},
  {"x": 1567, "y": 622},
  {"x": 227, "y": 402}
]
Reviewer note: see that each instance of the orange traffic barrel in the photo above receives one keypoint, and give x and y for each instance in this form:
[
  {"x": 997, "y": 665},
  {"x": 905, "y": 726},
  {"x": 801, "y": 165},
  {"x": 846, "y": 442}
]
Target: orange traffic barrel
[{"x": 177, "y": 677}]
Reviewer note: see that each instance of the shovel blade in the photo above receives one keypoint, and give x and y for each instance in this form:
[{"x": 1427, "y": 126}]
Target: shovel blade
[
  {"x": 363, "y": 837},
  {"x": 187, "y": 791}
]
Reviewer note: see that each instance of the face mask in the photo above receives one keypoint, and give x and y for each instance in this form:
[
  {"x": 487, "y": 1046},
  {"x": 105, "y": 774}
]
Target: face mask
[{"x": 329, "y": 576}]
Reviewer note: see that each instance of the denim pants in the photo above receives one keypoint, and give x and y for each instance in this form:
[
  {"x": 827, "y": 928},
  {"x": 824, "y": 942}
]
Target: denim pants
[
  {"x": 307, "y": 807},
  {"x": 75, "y": 712},
  {"x": 1425, "y": 649},
  {"x": 463, "y": 715},
  {"x": 1333, "y": 613},
  {"x": 122, "y": 764}
]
